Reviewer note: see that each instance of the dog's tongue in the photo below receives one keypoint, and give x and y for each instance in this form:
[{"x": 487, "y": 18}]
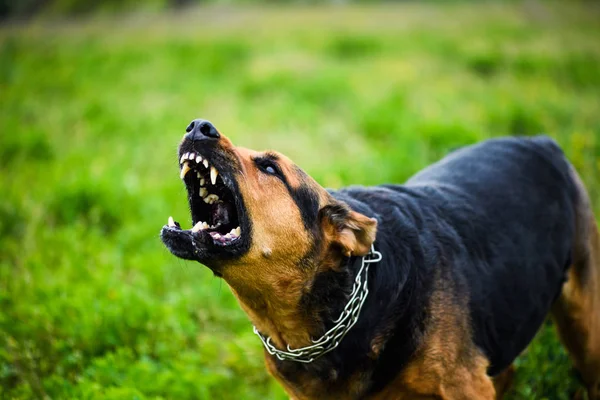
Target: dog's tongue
[{"x": 221, "y": 212}]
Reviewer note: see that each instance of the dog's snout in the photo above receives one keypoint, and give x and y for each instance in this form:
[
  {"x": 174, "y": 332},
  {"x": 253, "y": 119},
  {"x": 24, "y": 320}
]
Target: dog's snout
[{"x": 200, "y": 129}]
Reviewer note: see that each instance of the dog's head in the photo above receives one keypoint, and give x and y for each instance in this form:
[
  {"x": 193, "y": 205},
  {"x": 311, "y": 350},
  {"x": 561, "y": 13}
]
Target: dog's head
[{"x": 258, "y": 220}]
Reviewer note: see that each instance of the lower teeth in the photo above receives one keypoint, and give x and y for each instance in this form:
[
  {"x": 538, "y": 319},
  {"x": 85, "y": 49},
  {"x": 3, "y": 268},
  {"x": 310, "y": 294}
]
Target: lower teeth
[{"x": 200, "y": 226}]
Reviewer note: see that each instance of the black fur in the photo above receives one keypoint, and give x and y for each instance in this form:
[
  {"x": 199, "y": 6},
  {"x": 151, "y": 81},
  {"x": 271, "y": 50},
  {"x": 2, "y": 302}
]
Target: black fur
[
  {"x": 307, "y": 201},
  {"x": 495, "y": 219}
]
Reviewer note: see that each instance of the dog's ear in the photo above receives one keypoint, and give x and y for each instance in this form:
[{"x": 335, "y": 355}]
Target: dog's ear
[{"x": 351, "y": 231}]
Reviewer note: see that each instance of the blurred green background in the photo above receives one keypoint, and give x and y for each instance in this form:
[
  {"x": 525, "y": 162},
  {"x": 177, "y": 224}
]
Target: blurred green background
[{"x": 91, "y": 112}]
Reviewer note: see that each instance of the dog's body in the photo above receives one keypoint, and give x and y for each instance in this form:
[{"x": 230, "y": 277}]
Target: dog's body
[{"x": 477, "y": 249}]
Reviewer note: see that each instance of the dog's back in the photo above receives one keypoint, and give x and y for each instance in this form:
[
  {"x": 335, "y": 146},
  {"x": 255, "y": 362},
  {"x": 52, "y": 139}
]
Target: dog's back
[
  {"x": 505, "y": 208},
  {"x": 505, "y": 234}
]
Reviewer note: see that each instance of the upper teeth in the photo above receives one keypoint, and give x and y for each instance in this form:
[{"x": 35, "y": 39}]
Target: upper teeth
[
  {"x": 211, "y": 198},
  {"x": 192, "y": 160},
  {"x": 192, "y": 157},
  {"x": 213, "y": 175},
  {"x": 185, "y": 168}
]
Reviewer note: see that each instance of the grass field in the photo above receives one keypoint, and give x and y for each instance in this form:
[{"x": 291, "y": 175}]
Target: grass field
[{"x": 93, "y": 306}]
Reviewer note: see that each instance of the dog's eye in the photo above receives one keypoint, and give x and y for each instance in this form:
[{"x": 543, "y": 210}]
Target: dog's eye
[{"x": 268, "y": 167}]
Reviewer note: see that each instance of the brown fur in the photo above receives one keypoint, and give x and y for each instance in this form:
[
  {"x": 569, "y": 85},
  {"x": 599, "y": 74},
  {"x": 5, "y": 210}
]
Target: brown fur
[
  {"x": 267, "y": 280},
  {"x": 577, "y": 310},
  {"x": 503, "y": 381},
  {"x": 447, "y": 365}
]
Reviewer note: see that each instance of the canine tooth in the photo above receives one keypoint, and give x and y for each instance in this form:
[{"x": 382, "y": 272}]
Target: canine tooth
[
  {"x": 184, "y": 170},
  {"x": 203, "y": 192},
  {"x": 198, "y": 159},
  {"x": 213, "y": 175},
  {"x": 238, "y": 231},
  {"x": 197, "y": 227},
  {"x": 171, "y": 222},
  {"x": 205, "y": 162},
  {"x": 181, "y": 159},
  {"x": 202, "y": 181}
]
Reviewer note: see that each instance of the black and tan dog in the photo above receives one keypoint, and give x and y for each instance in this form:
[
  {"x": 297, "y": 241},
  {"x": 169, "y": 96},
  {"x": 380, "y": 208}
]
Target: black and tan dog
[{"x": 476, "y": 250}]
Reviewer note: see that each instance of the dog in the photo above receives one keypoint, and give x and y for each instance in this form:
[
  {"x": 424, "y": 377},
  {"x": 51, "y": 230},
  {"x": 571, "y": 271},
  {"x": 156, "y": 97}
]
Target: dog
[{"x": 425, "y": 290}]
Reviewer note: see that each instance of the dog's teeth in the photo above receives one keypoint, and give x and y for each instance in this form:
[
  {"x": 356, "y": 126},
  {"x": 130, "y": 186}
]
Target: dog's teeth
[
  {"x": 205, "y": 162},
  {"x": 228, "y": 236},
  {"x": 202, "y": 181},
  {"x": 198, "y": 175},
  {"x": 171, "y": 222},
  {"x": 181, "y": 159},
  {"x": 238, "y": 231},
  {"x": 216, "y": 235},
  {"x": 186, "y": 156},
  {"x": 198, "y": 227},
  {"x": 213, "y": 175},
  {"x": 184, "y": 170},
  {"x": 203, "y": 192},
  {"x": 211, "y": 198},
  {"x": 205, "y": 225},
  {"x": 192, "y": 156},
  {"x": 198, "y": 159}
]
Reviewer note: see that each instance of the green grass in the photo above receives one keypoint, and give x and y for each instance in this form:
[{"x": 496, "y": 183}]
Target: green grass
[{"x": 93, "y": 306}]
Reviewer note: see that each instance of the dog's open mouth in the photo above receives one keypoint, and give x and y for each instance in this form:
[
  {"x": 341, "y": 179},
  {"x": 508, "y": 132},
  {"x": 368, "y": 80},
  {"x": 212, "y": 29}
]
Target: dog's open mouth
[
  {"x": 218, "y": 216},
  {"x": 212, "y": 203}
]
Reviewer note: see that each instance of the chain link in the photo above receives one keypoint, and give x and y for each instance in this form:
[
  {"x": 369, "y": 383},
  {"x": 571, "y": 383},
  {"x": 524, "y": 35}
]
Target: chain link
[{"x": 332, "y": 338}]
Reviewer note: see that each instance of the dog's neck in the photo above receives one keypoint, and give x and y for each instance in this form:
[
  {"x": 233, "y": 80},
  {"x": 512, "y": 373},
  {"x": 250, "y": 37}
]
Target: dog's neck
[
  {"x": 280, "y": 318},
  {"x": 383, "y": 348},
  {"x": 294, "y": 312}
]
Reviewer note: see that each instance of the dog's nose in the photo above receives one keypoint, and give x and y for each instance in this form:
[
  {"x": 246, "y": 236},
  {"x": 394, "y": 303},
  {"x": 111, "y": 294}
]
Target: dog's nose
[{"x": 200, "y": 129}]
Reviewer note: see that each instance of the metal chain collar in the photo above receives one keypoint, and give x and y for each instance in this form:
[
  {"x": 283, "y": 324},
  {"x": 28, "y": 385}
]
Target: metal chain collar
[{"x": 332, "y": 338}]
